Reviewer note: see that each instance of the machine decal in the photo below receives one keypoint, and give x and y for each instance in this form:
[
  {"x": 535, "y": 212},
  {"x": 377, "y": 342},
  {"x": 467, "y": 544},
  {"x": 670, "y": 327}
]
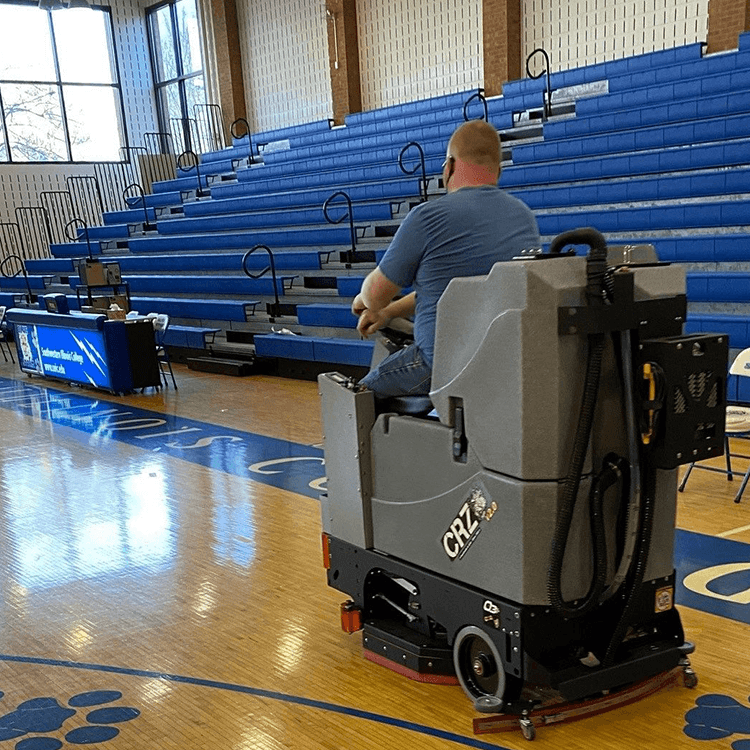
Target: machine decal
[
  {"x": 664, "y": 599},
  {"x": 466, "y": 525}
]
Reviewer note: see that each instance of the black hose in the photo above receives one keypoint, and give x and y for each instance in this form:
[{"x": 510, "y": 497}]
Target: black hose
[
  {"x": 615, "y": 467},
  {"x": 639, "y": 568},
  {"x": 596, "y": 272},
  {"x": 573, "y": 479}
]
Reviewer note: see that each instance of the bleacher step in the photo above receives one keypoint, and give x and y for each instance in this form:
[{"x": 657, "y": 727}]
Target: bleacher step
[
  {"x": 223, "y": 366},
  {"x": 239, "y": 337}
]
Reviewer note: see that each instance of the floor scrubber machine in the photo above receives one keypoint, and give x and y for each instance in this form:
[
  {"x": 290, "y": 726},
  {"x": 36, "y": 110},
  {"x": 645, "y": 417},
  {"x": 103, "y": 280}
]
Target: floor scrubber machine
[{"x": 514, "y": 532}]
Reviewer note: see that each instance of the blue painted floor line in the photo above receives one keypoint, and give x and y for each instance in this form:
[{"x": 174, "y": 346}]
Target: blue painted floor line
[{"x": 257, "y": 692}]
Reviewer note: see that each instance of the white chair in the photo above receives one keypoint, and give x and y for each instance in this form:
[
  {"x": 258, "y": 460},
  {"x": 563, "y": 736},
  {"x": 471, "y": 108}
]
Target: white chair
[
  {"x": 4, "y": 338},
  {"x": 161, "y": 324},
  {"x": 737, "y": 426}
]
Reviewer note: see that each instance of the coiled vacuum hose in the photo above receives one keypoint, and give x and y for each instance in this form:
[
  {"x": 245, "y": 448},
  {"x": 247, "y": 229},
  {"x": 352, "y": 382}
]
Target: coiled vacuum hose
[
  {"x": 570, "y": 489},
  {"x": 639, "y": 568},
  {"x": 633, "y": 508},
  {"x": 596, "y": 269}
]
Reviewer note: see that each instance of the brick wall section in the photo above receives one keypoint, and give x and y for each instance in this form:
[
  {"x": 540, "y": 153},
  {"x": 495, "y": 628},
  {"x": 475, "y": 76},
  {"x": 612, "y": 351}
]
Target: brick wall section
[
  {"x": 727, "y": 19},
  {"x": 346, "y": 89},
  {"x": 501, "y": 32},
  {"x": 229, "y": 60}
]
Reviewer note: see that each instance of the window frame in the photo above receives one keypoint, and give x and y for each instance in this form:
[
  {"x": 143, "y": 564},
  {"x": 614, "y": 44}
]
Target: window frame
[
  {"x": 160, "y": 86},
  {"x": 60, "y": 85}
]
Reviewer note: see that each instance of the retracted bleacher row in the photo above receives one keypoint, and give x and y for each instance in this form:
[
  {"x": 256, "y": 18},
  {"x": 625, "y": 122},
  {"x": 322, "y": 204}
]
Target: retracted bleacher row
[{"x": 652, "y": 148}]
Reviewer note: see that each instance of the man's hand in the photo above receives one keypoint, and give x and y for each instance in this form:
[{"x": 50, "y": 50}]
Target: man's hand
[
  {"x": 358, "y": 305},
  {"x": 370, "y": 321}
]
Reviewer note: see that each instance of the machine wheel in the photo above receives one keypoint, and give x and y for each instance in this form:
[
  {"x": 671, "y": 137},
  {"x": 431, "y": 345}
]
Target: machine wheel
[
  {"x": 528, "y": 730},
  {"x": 689, "y": 678},
  {"x": 479, "y": 666}
]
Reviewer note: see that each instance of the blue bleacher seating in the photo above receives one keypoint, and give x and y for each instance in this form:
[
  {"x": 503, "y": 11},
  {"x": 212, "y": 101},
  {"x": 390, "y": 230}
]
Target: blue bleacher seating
[{"x": 660, "y": 157}]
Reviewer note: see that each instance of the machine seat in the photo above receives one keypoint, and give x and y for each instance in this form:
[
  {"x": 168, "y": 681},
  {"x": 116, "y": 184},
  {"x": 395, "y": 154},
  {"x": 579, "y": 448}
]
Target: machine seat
[{"x": 413, "y": 406}]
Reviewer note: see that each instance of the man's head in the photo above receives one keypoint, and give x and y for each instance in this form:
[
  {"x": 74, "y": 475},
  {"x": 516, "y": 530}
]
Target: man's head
[{"x": 473, "y": 156}]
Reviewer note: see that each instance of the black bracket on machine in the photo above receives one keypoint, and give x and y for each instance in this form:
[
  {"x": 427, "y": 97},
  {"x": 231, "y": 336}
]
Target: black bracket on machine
[{"x": 624, "y": 313}]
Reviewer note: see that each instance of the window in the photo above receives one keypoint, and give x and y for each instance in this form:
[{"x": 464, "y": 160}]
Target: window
[
  {"x": 59, "y": 92},
  {"x": 177, "y": 62}
]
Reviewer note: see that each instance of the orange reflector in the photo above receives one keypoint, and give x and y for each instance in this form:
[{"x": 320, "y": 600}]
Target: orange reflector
[
  {"x": 326, "y": 552},
  {"x": 351, "y": 617}
]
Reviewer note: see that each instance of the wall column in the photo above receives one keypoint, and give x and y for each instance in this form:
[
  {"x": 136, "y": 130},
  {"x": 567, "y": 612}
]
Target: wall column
[
  {"x": 727, "y": 19},
  {"x": 343, "y": 58},
  {"x": 224, "y": 38},
  {"x": 501, "y": 31}
]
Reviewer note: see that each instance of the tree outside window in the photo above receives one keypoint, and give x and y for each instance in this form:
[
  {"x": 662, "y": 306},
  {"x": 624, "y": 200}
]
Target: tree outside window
[
  {"x": 59, "y": 95},
  {"x": 177, "y": 62}
]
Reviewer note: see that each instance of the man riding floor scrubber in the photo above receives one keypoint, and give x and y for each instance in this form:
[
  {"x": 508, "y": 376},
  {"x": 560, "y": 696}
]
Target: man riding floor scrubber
[{"x": 519, "y": 537}]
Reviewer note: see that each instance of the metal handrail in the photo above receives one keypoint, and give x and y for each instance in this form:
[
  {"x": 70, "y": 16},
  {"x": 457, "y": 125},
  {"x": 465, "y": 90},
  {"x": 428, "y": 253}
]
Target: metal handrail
[
  {"x": 214, "y": 120},
  {"x": 199, "y": 192},
  {"x": 479, "y": 95},
  {"x": 189, "y": 128},
  {"x": 423, "y": 181},
  {"x": 84, "y": 179},
  {"x": 74, "y": 237},
  {"x": 24, "y": 216},
  {"x": 243, "y": 121},
  {"x": 548, "y": 93},
  {"x": 349, "y": 213},
  {"x": 162, "y": 140},
  {"x": 31, "y": 296},
  {"x": 275, "y": 311},
  {"x": 147, "y": 225}
]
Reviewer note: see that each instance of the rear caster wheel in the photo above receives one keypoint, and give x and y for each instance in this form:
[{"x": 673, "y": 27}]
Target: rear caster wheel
[
  {"x": 689, "y": 678},
  {"x": 527, "y": 729}
]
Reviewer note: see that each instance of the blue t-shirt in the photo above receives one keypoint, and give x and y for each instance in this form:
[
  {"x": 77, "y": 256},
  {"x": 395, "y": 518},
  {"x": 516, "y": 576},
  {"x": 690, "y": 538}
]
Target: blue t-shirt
[{"x": 463, "y": 233}]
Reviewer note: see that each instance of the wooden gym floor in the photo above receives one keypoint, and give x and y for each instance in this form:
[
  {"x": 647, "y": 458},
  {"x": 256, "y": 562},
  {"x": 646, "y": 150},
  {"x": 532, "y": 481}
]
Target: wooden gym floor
[{"x": 162, "y": 587}]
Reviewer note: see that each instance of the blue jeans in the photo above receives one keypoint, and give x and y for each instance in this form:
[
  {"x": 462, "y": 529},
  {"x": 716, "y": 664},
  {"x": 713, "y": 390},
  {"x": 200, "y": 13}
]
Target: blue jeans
[{"x": 403, "y": 373}]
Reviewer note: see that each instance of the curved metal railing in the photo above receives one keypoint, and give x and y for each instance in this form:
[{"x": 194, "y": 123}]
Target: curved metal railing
[
  {"x": 274, "y": 310},
  {"x": 194, "y": 161},
  {"x": 545, "y": 71},
  {"x": 139, "y": 192},
  {"x": 71, "y": 232},
  {"x": 30, "y": 296},
  {"x": 480, "y": 96},
  {"x": 348, "y": 214},
  {"x": 423, "y": 181},
  {"x": 246, "y": 124}
]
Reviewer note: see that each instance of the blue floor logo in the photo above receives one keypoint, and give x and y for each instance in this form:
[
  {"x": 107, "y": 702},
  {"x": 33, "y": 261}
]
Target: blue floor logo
[
  {"x": 46, "y": 715},
  {"x": 718, "y": 716}
]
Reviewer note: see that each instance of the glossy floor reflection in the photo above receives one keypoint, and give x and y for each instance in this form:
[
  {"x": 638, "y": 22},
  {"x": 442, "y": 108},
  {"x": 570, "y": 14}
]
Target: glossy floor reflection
[{"x": 162, "y": 586}]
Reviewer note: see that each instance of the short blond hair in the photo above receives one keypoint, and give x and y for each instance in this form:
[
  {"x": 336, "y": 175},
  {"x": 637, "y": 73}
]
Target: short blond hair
[{"x": 476, "y": 142}]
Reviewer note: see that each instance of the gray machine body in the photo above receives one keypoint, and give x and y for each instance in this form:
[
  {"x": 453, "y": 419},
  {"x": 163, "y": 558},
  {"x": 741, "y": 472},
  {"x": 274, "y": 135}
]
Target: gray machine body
[{"x": 487, "y": 518}]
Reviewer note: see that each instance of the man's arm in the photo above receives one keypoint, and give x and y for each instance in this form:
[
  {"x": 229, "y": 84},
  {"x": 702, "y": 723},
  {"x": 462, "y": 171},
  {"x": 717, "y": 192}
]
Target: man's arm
[
  {"x": 371, "y": 321},
  {"x": 377, "y": 291}
]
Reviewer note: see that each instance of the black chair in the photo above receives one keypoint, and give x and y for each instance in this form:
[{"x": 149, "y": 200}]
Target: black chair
[
  {"x": 737, "y": 426},
  {"x": 161, "y": 324}
]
